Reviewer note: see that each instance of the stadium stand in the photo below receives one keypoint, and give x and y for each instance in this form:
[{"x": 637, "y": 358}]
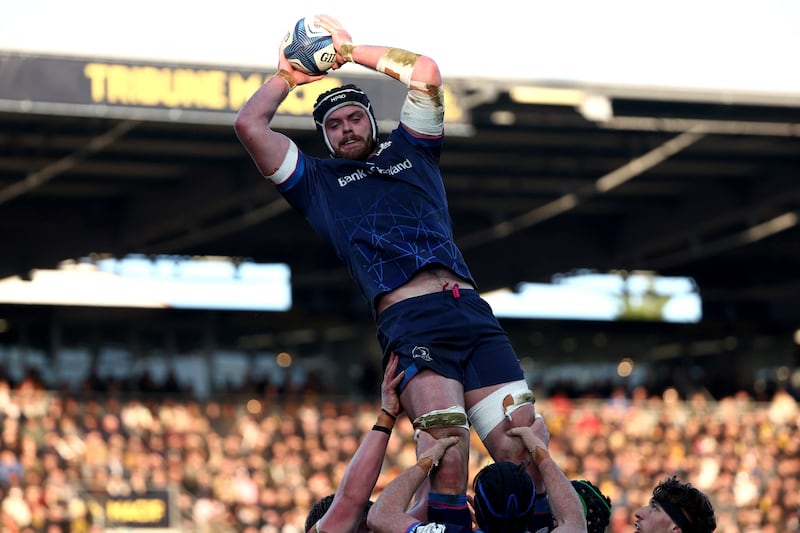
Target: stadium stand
[{"x": 255, "y": 463}]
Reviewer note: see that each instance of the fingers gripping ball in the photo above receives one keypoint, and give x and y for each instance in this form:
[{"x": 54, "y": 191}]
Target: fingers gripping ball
[{"x": 309, "y": 48}]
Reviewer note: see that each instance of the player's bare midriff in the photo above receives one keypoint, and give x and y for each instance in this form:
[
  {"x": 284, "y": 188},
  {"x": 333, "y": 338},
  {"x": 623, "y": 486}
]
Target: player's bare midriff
[{"x": 425, "y": 281}]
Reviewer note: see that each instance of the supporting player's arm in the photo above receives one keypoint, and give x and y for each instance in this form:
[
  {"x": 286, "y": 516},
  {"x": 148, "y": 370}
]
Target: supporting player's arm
[
  {"x": 362, "y": 472},
  {"x": 564, "y": 502},
  {"x": 388, "y": 514}
]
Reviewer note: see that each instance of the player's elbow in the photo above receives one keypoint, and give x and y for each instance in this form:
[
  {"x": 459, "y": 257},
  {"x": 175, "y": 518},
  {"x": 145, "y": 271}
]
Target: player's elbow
[
  {"x": 243, "y": 124},
  {"x": 427, "y": 70},
  {"x": 247, "y": 128}
]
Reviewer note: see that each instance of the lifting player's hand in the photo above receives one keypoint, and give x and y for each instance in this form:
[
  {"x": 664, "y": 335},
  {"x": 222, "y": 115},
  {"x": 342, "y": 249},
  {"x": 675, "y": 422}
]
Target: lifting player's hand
[
  {"x": 339, "y": 34},
  {"x": 434, "y": 448},
  {"x": 535, "y": 435},
  {"x": 298, "y": 76},
  {"x": 390, "y": 401}
]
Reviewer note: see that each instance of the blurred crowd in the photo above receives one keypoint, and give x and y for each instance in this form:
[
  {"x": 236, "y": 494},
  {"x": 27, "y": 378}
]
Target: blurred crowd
[{"x": 255, "y": 464}]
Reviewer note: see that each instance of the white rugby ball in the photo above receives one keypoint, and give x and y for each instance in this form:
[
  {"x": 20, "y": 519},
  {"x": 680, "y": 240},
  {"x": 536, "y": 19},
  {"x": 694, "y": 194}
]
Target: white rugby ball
[{"x": 309, "y": 48}]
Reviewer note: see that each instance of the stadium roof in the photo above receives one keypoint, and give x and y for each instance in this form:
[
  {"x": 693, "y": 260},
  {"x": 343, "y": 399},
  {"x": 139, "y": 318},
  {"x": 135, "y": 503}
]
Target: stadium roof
[{"x": 122, "y": 157}]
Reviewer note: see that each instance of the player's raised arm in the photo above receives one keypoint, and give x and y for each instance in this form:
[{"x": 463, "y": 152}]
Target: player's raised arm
[
  {"x": 423, "y": 109},
  {"x": 267, "y": 147},
  {"x": 416, "y": 71}
]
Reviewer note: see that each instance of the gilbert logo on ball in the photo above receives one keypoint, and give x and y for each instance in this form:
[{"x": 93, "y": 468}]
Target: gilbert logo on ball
[{"x": 309, "y": 48}]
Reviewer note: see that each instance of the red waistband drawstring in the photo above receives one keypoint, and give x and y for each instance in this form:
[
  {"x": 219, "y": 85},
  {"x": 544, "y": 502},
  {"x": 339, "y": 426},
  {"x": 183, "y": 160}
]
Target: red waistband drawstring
[{"x": 454, "y": 290}]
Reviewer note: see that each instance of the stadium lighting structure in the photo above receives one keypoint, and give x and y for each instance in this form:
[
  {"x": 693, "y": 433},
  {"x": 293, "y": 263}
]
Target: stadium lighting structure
[
  {"x": 592, "y": 106},
  {"x": 159, "y": 282},
  {"x": 634, "y": 296},
  {"x": 527, "y": 94}
]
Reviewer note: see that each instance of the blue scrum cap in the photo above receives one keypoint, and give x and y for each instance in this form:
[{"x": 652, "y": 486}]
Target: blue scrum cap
[
  {"x": 336, "y": 98},
  {"x": 504, "y": 494}
]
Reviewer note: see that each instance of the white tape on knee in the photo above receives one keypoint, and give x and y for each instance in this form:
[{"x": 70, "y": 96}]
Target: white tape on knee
[{"x": 499, "y": 405}]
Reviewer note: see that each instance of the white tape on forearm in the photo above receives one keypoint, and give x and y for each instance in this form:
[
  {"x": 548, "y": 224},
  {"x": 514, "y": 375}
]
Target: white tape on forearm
[{"x": 398, "y": 63}]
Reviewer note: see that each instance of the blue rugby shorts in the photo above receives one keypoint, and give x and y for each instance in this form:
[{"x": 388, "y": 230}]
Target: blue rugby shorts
[{"x": 453, "y": 333}]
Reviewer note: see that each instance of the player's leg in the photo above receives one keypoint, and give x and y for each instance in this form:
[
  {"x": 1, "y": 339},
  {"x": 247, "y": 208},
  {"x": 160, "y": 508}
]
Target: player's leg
[
  {"x": 435, "y": 405},
  {"x": 426, "y": 333},
  {"x": 494, "y": 410},
  {"x": 496, "y": 393}
]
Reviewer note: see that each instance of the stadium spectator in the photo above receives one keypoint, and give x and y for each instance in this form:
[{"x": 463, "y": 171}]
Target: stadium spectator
[
  {"x": 307, "y": 441},
  {"x": 11, "y": 472}
]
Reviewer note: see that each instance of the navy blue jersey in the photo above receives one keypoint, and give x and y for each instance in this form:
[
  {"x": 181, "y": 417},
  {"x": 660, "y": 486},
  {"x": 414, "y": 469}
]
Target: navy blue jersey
[
  {"x": 541, "y": 519},
  {"x": 387, "y": 217}
]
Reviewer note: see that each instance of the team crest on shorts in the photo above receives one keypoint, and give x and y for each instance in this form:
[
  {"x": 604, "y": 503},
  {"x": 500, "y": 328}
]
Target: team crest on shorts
[{"x": 421, "y": 352}]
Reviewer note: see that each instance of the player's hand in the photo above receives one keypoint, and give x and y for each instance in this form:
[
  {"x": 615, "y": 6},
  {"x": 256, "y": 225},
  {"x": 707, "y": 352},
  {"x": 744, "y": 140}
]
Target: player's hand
[
  {"x": 535, "y": 435},
  {"x": 436, "y": 451},
  {"x": 299, "y": 77},
  {"x": 337, "y": 31},
  {"x": 540, "y": 429},
  {"x": 390, "y": 401}
]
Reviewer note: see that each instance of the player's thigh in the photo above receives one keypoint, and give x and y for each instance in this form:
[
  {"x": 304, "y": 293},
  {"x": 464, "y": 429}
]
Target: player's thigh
[
  {"x": 503, "y": 447},
  {"x": 429, "y": 391}
]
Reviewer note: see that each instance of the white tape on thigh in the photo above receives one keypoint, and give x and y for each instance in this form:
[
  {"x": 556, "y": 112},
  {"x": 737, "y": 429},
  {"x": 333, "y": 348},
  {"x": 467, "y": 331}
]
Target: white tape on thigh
[{"x": 489, "y": 412}]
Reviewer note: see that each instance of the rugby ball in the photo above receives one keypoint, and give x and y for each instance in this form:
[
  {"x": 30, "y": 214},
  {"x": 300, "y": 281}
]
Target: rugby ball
[{"x": 309, "y": 48}]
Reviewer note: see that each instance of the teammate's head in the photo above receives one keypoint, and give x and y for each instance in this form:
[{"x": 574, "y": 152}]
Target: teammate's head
[
  {"x": 504, "y": 494},
  {"x": 335, "y": 99},
  {"x": 676, "y": 504},
  {"x": 321, "y": 507},
  {"x": 596, "y": 506}
]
